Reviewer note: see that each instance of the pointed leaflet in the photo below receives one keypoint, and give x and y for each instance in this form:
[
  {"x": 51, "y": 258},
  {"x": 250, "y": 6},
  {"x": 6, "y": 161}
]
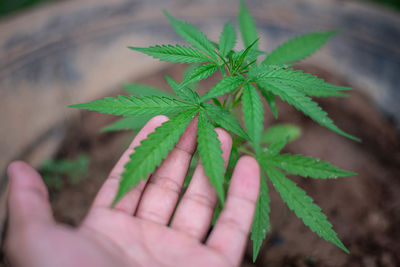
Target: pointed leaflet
[
  {"x": 144, "y": 90},
  {"x": 261, "y": 217},
  {"x": 151, "y": 151},
  {"x": 298, "y": 48},
  {"x": 149, "y": 105},
  {"x": 210, "y": 152},
  {"x": 276, "y": 147},
  {"x": 128, "y": 123},
  {"x": 227, "y": 39},
  {"x": 183, "y": 92},
  {"x": 253, "y": 115},
  {"x": 303, "y": 206},
  {"x": 307, "y": 166},
  {"x": 225, "y": 119},
  {"x": 246, "y": 25},
  {"x": 193, "y": 36},
  {"x": 177, "y": 53},
  {"x": 270, "y": 98},
  {"x": 188, "y": 73},
  {"x": 304, "y": 82},
  {"x": 200, "y": 73},
  {"x": 224, "y": 86},
  {"x": 307, "y": 106},
  {"x": 278, "y": 132}
]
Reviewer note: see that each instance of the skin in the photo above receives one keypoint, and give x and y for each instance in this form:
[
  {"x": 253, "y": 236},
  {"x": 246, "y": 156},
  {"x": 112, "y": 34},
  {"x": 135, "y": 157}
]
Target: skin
[{"x": 140, "y": 230}]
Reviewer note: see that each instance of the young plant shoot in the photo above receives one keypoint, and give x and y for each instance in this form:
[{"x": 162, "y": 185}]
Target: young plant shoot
[{"x": 245, "y": 81}]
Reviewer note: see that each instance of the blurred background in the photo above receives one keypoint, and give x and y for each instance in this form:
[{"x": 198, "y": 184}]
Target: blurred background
[{"x": 61, "y": 52}]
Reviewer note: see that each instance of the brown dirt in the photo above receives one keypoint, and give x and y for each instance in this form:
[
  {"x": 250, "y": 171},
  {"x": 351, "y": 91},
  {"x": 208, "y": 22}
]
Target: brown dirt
[{"x": 365, "y": 210}]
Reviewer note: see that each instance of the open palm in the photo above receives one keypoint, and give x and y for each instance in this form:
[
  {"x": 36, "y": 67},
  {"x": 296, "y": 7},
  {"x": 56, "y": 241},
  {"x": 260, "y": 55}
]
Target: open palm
[{"x": 146, "y": 227}]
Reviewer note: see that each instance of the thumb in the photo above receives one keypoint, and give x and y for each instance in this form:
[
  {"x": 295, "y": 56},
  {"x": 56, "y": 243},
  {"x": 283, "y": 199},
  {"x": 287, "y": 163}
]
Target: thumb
[{"x": 28, "y": 197}]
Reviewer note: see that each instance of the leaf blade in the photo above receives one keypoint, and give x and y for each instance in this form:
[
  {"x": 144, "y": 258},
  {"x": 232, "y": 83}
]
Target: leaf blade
[
  {"x": 227, "y": 39},
  {"x": 183, "y": 92},
  {"x": 175, "y": 54},
  {"x": 224, "y": 86},
  {"x": 261, "y": 224},
  {"x": 247, "y": 26},
  {"x": 307, "y": 166},
  {"x": 303, "y": 206},
  {"x": 193, "y": 36},
  {"x": 151, "y": 151},
  {"x": 122, "y": 105},
  {"x": 226, "y": 120},
  {"x": 211, "y": 154},
  {"x": 253, "y": 115},
  {"x": 298, "y": 48}
]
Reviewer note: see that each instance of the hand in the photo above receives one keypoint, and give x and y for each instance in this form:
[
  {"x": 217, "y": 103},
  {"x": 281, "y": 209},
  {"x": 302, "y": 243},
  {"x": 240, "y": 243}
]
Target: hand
[{"x": 140, "y": 230}]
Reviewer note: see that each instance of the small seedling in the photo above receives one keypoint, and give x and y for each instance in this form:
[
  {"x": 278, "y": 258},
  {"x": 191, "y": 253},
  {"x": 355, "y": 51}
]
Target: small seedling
[
  {"x": 244, "y": 78},
  {"x": 54, "y": 171}
]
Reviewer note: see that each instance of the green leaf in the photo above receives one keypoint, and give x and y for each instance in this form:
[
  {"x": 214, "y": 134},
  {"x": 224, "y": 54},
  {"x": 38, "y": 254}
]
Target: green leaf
[
  {"x": 148, "y": 105},
  {"x": 246, "y": 25},
  {"x": 188, "y": 72},
  {"x": 151, "y": 151},
  {"x": 307, "y": 106},
  {"x": 224, "y": 86},
  {"x": 226, "y": 120},
  {"x": 183, "y": 92},
  {"x": 193, "y": 36},
  {"x": 270, "y": 98},
  {"x": 210, "y": 152},
  {"x": 298, "y": 48},
  {"x": 303, "y": 206},
  {"x": 128, "y": 123},
  {"x": 200, "y": 73},
  {"x": 261, "y": 217},
  {"x": 281, "y": 131},
  {"x": 144, "y": 90},
  {"x": 304, "y": 82},
  {"x": 253, "y": 115},
  {"x": 227, "y": 39},
  {"x": 177, "y": 53},
  {"x": 307, "y": 166},
  {"x": 276, "y": 147}
]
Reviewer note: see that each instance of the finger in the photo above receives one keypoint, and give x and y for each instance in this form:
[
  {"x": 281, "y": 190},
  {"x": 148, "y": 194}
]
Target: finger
[
  {"x": 27, "y": 198},
  {"x": 164, "y": 186},
  {"x": 108, "y": 191},
  {"x": 230, "y": 233},
  {"x": 195, "y": 210}
]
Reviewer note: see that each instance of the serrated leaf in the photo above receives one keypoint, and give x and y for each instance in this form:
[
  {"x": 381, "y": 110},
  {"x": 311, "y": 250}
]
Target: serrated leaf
[
  {"x": 200, "y": 73},
  {"x": 307, "y": 166},
  {"x": 128, "y": 123},
  {"x": 227, "y": 39},
  {"x": 151, "y": 151},
  {"x": 304, "y": 82},
  {"x": 193, "y": 36},
  {"x": 253, "y": 115},
  {"x": 303, "y": 206},
  {"x": 210, "y": 152},
  {"x": 276, "y": 147},
  {"x": 148, "y": 105},
  {"x": 298, "y": 48},
  {"x": 307, "y": 106},
  {"x": 188, "y": 73},
  {"x": 144, "y": 90},
  {"x": 225, "y": 119},
  {"x": 270, "y": 98},
  {"x": 260, "y": 225},
  {"x": 183, "y": 92},
  {"x": 247, "y": 26},
  {"x": 224, "y": 86},
  {"x": 171, "y": 53},
  {"x": 281, "y": 131}
]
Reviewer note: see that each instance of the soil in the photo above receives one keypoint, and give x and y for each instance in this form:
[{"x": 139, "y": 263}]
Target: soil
[{"x": 364, "y": 210}]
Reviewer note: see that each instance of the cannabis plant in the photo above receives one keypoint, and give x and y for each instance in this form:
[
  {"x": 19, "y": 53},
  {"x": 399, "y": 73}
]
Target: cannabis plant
[{"x": 244, "y": 78}]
